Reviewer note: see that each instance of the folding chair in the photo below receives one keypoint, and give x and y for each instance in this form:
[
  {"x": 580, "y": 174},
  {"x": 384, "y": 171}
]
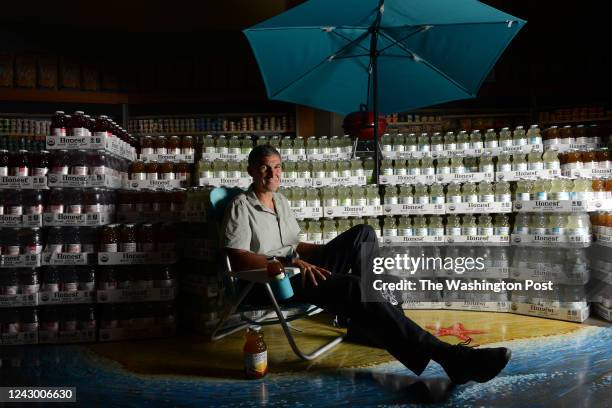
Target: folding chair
[{"x": 219, "y": 198}]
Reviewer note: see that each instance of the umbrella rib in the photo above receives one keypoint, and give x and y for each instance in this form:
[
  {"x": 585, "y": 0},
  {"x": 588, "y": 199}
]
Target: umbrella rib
[
  {"x": 349, "y": 40},
  {"x": 423, "y": 28},
  {"x": 320, "y": 63},
  {"x": 414, "y": 56}
]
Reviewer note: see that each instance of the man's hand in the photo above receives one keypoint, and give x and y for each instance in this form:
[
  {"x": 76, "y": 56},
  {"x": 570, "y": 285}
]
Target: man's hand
[{"x": 311, "y": 272}]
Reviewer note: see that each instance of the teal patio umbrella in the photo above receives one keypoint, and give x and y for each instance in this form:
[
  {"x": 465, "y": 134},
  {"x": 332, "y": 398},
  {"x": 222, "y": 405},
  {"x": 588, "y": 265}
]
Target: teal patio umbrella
[{"x": 391, "y": 55}]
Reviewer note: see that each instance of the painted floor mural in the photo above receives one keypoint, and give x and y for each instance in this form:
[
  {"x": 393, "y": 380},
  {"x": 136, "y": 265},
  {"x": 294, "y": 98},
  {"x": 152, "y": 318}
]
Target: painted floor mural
[{"x": 553, "y": 364}]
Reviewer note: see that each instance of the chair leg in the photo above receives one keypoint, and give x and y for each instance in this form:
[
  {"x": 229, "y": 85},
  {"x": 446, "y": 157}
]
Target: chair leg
[
  {"x": 311, "y": 356},
  {"x": 228, "y": 312}
]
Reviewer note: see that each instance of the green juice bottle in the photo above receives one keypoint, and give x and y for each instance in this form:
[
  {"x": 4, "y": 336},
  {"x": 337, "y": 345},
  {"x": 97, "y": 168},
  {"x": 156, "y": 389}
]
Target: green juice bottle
[
  {"x": 389, "y": 226},
  {"x": 505, "y": 137},
  {"x": 404, "y": 227},
  {"x": 413, "y": 167},
  {"x": 420, "y": 226},
  {"x": 344, "y": 168},
  {"x": 436, "y": 194},
  {"x": 501, "y": 225},
  {"x": 421, "y": 195},
  {"x": 372, "y": 195},
  {"x": 485, "y": 192},
  {"x": 468, "y": 193},
  {"x": 303, "y": 170},
  {"x": 386, "y": 167},
  {"x": 344, "y": 196},
  {"x": 399, "y": 167},
  {"x": 485, "y": 225},
  {"x": 453, "y": 193},
  {"x": 312, "y": 146},
  {"x": 463, "y": 140},
  {"x": 435, "y": 226},
  {"x": 453, "y": 225},
  {"x": 504, "y": 163},
  {"x": 490, "y": 139},
  {"x": 468, "y": 225},
  {"x": 411, "y": 143},
  {"x": 359, "y": 196},
  {"x": 450, "y": 141},
  {"x": 303, "y": 234},
  {"x": 315, "y": 233},
  {"x": 405, "y": 195},
  {"x": 476, "y": 140},
  {"x": 330, "y": 231},
  {"x": 312, "y": 197},
  {"x": 331, "y": 169},
  {"x": 519, "y": 138},
  {"x": 391, "y": 197},
  {"x": 234, "y": 145}
]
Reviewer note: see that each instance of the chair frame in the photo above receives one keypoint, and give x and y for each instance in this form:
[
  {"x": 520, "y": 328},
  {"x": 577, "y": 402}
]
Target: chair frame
[{"x": 220, "y": 332}]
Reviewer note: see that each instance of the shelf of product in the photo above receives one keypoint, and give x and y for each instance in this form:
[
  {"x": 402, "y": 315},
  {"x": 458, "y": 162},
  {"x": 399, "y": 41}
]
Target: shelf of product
[
  {"x": 81, "y": 132},
  {"x": 291, "y": 149},
  {"x": 67, "y": 285},
  {"x": 540, "y": 229},
  {"x": 67, "y": 324},
  {"x": 136, "y": 320},
  {"x": 174, "y": 149},
  {"x": 120, "y": 284},
  {"x": 19, "y": 326},
  {"x": 264, "y": 122},
  {"x": 159, "y": 205},
  {"x": 129, "y": 244},
  {"x": 24, "y": 127},
  {"x": 563, "y": 195},
  {"x": 295, "y": 174}
]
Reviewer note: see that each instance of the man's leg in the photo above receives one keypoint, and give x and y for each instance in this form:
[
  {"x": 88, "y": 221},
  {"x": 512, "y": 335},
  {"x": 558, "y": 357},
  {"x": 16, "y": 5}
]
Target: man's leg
[{"x": 389, "y": 328}]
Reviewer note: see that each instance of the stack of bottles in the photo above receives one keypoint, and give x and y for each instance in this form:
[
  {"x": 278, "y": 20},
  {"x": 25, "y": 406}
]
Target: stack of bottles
[
  {"x": 24, "y": 127},
  {"x": 256, "y": 123},
  {"x": 462, "y": 140},
  {"x": 560, "y": 224},
  {"x": 563, "y": 189}
]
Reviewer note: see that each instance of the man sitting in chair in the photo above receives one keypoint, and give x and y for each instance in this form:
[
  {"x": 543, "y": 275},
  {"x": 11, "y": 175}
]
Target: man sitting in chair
[{"x": 259, "y": 223}]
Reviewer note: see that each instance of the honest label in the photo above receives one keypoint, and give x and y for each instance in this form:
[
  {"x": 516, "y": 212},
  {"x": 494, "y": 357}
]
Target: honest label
[
  {"x": 63, "y": 258},
  {"x": 467, "y": 208},
  {"x": 33, "y": 220},
  {"x": 486, "y": 239},
  {"x": 20, "y": 261},
  {"x": 242, "y": 182},
  {"x": 463, "y": 177},
  {"x": 550, "y": 206},
  {"x": 419, "y": 209},
  {"x": 154, "y": 184},
  {"x": 296, "y": 182},
  {"x": 130, "y": 258},
  {"x": 174, "y": 158},
  {"x": 91, "y": 219},
  {"x": 75, "y": 297},
  {"x": 413, "y": 240},
  {"x": 95, "y": 180},
  {"x": 18, "y": 300},
  {"x": 407, "y": 179},
  {"x": 353, "y": 211},
  {"x": 17, "y": 182},
  {"x": 527, "y": 175}
]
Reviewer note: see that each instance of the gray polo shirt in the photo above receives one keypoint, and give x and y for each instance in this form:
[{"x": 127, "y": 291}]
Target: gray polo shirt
[{"x": 250, "y": 226}]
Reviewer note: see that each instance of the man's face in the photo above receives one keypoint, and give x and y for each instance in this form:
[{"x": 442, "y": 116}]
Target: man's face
[{"x": 267, "y": 174}]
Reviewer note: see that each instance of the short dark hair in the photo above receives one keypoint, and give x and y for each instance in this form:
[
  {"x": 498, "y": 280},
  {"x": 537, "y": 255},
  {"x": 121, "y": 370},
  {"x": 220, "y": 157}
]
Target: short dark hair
[{"x": 261, "y": 151}]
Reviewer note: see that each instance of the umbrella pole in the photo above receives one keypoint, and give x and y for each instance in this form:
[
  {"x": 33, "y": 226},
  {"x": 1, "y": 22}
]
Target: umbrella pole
[{"x": 374, "y": 61}]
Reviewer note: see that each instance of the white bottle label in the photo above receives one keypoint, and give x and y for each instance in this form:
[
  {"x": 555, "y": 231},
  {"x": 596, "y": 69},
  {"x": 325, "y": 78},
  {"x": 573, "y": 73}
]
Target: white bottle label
[
  {"x": 443, "y": 170},
  {"x": 472, "y": 198},
  {"x": 582, "y": 195},
  {"x": 389, "y": 232},
  {"x": 437, "y": 199},
  {"x": 476, "y": 145},
  {"x": 330, "y": 202},
  {"x": 536, "y": 166},
  {"x": 491, "y": 143},
  {"x": 557, "y": 231},
  {"x": 405, "y": 232},
  {"x": 577, "y": 231},
  {"x": 109, "y": 247},
  {"x": 503, "y": 198},
  {"x": 391, "y": 200},
  {"x": 128, "y": 247},
  {"x": 421, "y": 232},
  {"x": 541, "y": 195},
  {"x": 436, "y": 232},
  {"x": 469, "y": 230},
  {"x": 256, "y": 364},
  {"x": 405, "y": 200},
  {"x": 400, "y": 171},
  {"x": 487, "y": 198},
  {"x": 502, "y": 231},
  {"x": 522, "y": 196},
  {"x": 488, "y": 231},
  {"x": 329, "y": 235},
  {"x": 520, "y": 166},
  {"x": 539, "y": 231},
  {"x": 428, "y": 171},
  {"x": 79, "y": 170},
  {"x": 522, "y": 230},
  {"x": 562, "y": 195},
  {"x": 487, "y": 168},
  {"x": 302, "y": 237},
  {"x": 454, "y": 231},
  {"x": 422, "y": 200},
  {"x": 374, "y": 201},
  {"x": 552, "y": 165},
  {"x": 535, "y": 140},
  {"x": 504, "y": 167},
  {"x": 454, "y": 199},
  {"x": 315, "y": 236}
]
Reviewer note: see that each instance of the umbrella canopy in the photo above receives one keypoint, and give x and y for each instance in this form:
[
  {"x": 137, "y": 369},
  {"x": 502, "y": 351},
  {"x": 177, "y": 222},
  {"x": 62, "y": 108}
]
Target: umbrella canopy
[{"x": 392, "y": 55}]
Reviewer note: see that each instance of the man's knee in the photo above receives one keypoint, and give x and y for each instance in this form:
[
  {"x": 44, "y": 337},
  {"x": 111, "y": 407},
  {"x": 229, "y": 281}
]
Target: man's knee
[{"x": 365, "y": 233}]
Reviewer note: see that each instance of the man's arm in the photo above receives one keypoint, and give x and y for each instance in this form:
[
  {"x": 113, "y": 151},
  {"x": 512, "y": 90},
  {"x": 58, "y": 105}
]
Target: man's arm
[
  {"x": 309, "y": 252},
  {"x": 242, "y": 260}
]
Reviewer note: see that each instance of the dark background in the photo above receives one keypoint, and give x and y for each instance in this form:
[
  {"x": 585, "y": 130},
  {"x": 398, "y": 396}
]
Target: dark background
[{"x": 191, "y": 57}]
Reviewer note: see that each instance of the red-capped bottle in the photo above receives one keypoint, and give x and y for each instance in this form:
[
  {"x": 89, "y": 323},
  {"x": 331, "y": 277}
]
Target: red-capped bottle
[
  {"x": 77, "y": 126},
  {"x": 58, "y": 124}
]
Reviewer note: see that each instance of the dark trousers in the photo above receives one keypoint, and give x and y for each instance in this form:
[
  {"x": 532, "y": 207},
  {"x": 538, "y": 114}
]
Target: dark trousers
[{"x": 380, "y": 322}]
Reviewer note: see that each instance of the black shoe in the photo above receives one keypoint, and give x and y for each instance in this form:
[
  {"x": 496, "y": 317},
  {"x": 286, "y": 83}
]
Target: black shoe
[{"x": 463, "y": 364}]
